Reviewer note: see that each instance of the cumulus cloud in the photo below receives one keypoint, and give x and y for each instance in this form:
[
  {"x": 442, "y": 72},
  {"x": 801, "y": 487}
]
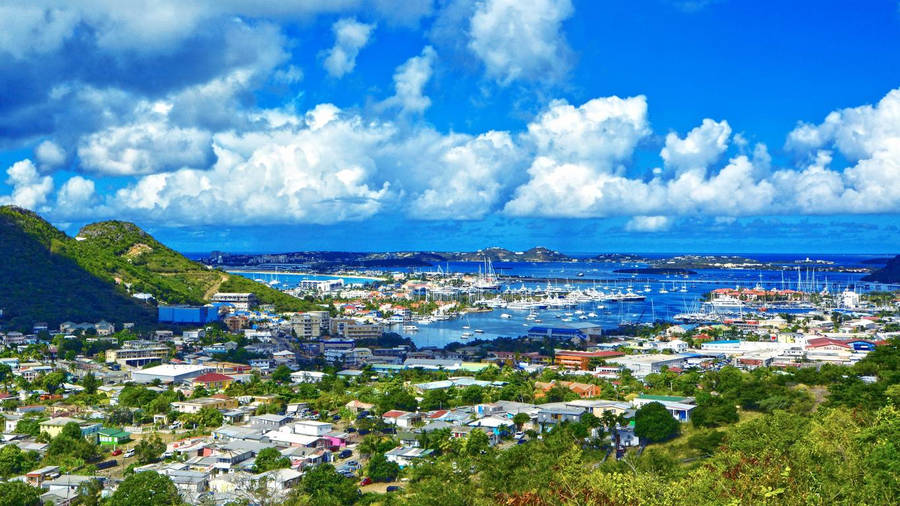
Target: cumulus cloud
[
  {"x": 49, "y": 155},
  {"x": 29, "y": 189},
  {"x": 578, "y": 152},
  {"x": 467, "y": 177},
  {"x": 648, "y": 223},
  {"x": 349, "y": 37},
  {"x": 151, "y": 144},
  {"x": 75, "y": 198},
  {"x": 410, "y": 79},
  {"x": 701, "y": 147},
  {"x": 521, "y": 40},
  {"x": 319, "y": 172}
]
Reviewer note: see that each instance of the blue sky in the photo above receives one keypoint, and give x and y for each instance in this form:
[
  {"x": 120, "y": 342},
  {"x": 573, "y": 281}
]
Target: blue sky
[{"x": 656, "y": 126}]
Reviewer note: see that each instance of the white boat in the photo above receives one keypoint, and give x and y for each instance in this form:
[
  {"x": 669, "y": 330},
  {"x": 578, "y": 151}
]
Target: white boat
[
  {"x": 410, "y": 328},
  {"x": 479, "y": 331},
  {"x": 582, "y": 317},
  {"x": 466, "y": 334},
  {"x": 506, "y": 316},
  {"x": 592, "y": 314}
]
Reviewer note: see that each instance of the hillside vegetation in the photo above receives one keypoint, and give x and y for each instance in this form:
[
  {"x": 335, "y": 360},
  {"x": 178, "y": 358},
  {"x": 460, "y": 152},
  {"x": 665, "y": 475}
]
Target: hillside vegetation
[
  {"x": 39, "y": 284},
  {"x": 890, "y": 273},
  {"x": 109, "y": 260}
]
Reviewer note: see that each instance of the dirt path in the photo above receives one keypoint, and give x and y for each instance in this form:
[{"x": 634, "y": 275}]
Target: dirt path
[{"x": 215, "y": 287}]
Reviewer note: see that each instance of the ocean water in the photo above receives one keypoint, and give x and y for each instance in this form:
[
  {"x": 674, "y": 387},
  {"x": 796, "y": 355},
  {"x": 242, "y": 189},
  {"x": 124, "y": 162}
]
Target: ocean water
[{"x": 601, "y": 276}]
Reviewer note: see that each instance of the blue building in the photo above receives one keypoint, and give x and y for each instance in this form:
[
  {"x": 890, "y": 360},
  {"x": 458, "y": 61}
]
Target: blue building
[{"x": 197, "y": 315}]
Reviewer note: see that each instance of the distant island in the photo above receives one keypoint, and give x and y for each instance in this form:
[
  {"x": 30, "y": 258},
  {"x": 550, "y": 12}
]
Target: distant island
[
  {"x": 331, "y": 261},
  {"x": 656, "y": 270}
]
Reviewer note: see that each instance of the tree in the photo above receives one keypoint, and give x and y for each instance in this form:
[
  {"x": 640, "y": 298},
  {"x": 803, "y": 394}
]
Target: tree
[
  {"x": 381, "y": 469},
  {"x": 654, "y": 423},
  {"x": 472, "y": 394},
  {"x": 146, "y": 489},
  {"x": 29, "y": 426},
  {"x": 521, "y": 419},
  {"x": 271, "y": 458},
  {"x": 477, "y": 443},
  {"x": 72, "y": 430},
  {"x": 714, "y": 412},
  {"x": 325, "y": 486},
  {"x": 17, "y": 493},
  {"x": 14, "y": 461},
  {"x": 210, "y": 417},
  {"x": 149, "y": 449},
  {"x": 281, "y": 374}
]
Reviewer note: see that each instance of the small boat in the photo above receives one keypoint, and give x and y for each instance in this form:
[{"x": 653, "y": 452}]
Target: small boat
[
  {"x": 479, "y": 331},
  {"x": 506, "y": 316},
  {"x": 410, "y": 328},
  {"x": 582, "y": 317},
  {"x": 466, "y": 327},
  {"x": 466, "y": 334},
  {"x": 592, "y": 314}
]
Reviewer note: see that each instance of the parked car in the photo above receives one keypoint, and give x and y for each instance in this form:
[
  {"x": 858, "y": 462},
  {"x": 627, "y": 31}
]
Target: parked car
[
  {"x": 336, "y": 418},
  {"x": 129, "y": 453},
  {"x": 519, "y": 435},
  {"x": 365, "y": 482},
  {"x": 393, "y": 488},
  {"x": 352, "y": 464},
  {"x": 116, "y": 452},
  {"x": 344, "y": 454}
]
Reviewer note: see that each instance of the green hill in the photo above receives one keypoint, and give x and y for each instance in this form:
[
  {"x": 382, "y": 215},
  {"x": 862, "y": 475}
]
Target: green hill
[
  {"x": 39, "y": 284},
  {"x": 113, "y": 258}
]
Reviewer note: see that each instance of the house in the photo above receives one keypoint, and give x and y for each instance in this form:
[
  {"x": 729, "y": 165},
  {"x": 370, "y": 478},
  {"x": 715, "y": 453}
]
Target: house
[
  {"x": 113, "y": 436},
  {"x": 213, "y": 381},
  {"x": 67, "y": 486},
  {"x": 312, "y": 428},
  {"x": 680, "y": 407},
  {"x": 195, "y": 405},
  {"x": 54, "y": 426},
  {"x": 307, "y": 376},
  {"x": 269, "y": 421},
  {"x": 574, "y": 359},
  {"x": 554, "y": 413},
  {"x": 356, "y": 406},
  {"x": 280, "y": 481},
  {"x": 39, "y": 476},
  {"x": 584, "y": 390},
  {"x": 404, "y": 456},
  {"x": 391, "y": 416}
]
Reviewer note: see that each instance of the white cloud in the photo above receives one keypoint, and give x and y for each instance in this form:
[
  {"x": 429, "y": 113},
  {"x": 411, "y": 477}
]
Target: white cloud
[
  {"x": 648, "y": 223},
  {"x": 76, "y": 197},
  {"x": 701, "y": 147},
  {"x": 151, "y": 144},
  {"x": 49, "y": 155},
  {"x": 466, "y": 177},
  {"x": 857, "y": 132},
  {"x": 319, "y": 172},
  {"x": 410, "y": 79},
  {"x": 29, "y": 189},
  {"x": 521, "y": 40},
  {"x": 578, "y": 152},
  {"x": 349, "y": 37}
]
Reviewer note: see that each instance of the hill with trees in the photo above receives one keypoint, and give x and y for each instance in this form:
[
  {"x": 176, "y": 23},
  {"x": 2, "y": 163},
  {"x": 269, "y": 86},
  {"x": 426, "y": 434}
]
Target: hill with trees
[
  {"x": 890, "y": 273},
  {"x": 49, "y": 276}
]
